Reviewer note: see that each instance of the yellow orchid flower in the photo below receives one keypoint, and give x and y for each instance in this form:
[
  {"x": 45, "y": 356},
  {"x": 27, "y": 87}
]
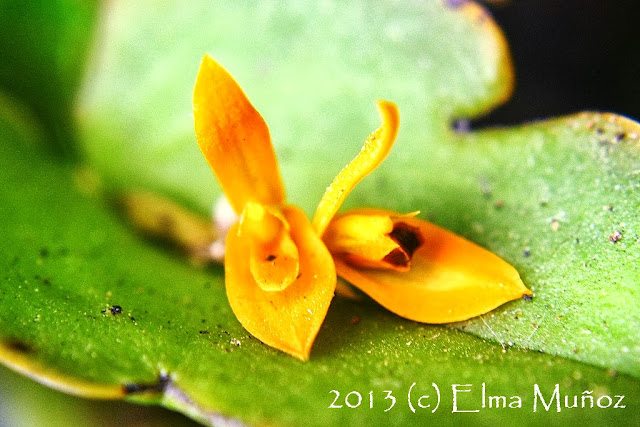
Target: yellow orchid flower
[{"x": 280, "y": 269}]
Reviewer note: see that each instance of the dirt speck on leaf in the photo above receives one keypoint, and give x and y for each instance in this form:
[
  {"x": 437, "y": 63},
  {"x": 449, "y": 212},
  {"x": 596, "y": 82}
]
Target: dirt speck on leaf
[
  {"x": 616, "y": 236},
  {"x": 19, "y": 346}
]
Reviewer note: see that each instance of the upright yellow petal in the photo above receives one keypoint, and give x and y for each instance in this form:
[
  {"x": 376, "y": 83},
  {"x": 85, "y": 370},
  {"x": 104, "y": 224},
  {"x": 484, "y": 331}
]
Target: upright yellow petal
[
  {"x": 450, "y": 278},
  {"x": 374, "y": 151},
  {"x": 288, "y": 320},
  {"x": 234, "y": 139}
]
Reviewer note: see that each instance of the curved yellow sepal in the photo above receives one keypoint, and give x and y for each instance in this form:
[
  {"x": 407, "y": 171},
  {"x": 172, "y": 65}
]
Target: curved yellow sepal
[
  {"x": 234, "y": 139},
  {"x": 450, "y": 279},
  {"x": 374, "y": 151},
  {"x": 288, "y": 320}
]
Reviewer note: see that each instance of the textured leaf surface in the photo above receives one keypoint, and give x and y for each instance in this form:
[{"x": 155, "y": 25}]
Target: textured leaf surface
[{"x": 548, "y": 197}]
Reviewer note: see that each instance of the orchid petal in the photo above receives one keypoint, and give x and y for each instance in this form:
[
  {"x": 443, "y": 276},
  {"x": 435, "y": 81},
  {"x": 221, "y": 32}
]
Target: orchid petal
[
  {"x": 234, "y": 139},
  {"x": 374, "y": 151}
]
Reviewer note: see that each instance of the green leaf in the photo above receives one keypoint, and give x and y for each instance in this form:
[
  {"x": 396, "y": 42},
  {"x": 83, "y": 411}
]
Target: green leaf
[
  {"x": 44, "y": 46},
  {"x": 314, "y": 72},
  {"x": 563, "y": 207}
]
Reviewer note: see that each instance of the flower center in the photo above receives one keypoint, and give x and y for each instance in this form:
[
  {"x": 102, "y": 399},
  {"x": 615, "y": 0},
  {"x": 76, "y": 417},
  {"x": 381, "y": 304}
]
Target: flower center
[
  {"x": 273, "y": 256},
  {"x": 374, "y": 241}
]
